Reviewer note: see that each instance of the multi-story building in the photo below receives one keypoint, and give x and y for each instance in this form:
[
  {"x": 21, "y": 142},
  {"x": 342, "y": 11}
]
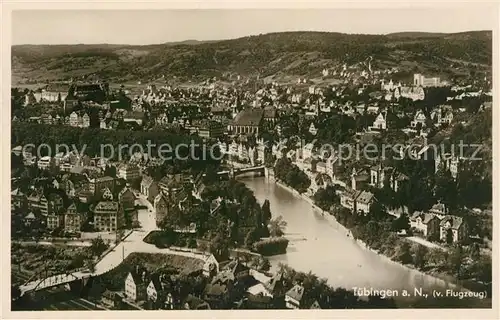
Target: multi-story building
[
  {"x": 17, "y": 199},
  {"x": 418, "y": 118},
  {"x": 421, "y": 80},
  {"x": 129, "y": 172},
  {"x": 211, "y": 129},
  {"x": 72, "y": 220},
  {"x": 135, "y": 285},
  {"x": 85, "y": 121},
  {"x": 127, "y": 199},
  {"x": 74, "y": 119},
  {"x": 453, "y": 229},
  {"x": 39, "y": 202},
  {"x": 247, "y": 121},
  {"x": 149, "y": 188},
  {"x": 427, "y": 223},
  {"x": 54, "y": 220},
  {"x": 108, "y": 216},
  {"x": 97, "y": 185},
  {"x": 161, "y": 207},
  {"x": 46, "y": 163}
]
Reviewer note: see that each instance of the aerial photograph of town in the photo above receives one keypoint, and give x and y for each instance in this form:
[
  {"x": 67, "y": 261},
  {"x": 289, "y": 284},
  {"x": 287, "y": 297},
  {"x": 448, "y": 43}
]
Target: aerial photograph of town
[{"x": 218, "y": 160}]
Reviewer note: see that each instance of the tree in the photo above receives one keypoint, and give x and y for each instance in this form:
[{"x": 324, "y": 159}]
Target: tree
[
  {"x": 474, "y": 252},
  {"x": 401, "y": 223},
  {"x": 90, "y": 265},
  {"x": 419, "y": 255},
  {"x": 455, "y": 260},
  {"x": 98, "y": 246},
  {"x": 436, "y": 257},
  {"x": 266, "y": 212},
  {"x": 277, "y": 227},
  {"x": 403, "y": 253},
  {"x": 446, "y": 188},
  {"x": 378, "y": 211},
  {"x": 250, "y": 238}
]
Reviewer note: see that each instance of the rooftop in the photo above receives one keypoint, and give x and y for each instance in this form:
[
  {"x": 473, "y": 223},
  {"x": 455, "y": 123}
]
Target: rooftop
[{"x": 249, "y": 117}]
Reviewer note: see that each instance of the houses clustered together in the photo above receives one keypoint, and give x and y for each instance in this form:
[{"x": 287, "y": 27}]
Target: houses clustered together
[
  {"x": 213, "y": 109},
  {"x": 85, "y": 195},
  {"x": 228, "y": 284},
  {"x": 248, "y": 108}
]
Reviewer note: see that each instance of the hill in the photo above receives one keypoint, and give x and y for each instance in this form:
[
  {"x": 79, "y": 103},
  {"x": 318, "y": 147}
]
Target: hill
[{"x": 273, "y": 54}]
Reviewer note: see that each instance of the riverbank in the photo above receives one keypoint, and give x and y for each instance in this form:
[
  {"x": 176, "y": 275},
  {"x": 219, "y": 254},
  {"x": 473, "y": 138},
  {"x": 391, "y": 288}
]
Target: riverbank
[{"x": 440, "y": 279}]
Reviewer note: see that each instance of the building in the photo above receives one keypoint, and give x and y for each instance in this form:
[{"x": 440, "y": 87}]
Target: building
[
  {"x": 159, "y": 292},
  {"x": 427, "y": 223},
  {"x": 380, "y": 122},
  {"x": 419, "y": 80},
  {"x": 85, "y": 121},
  {"x": 46, "y": 163},
  {"x": 447, "y": 162},
  {"x": 17, "y": 198},
  {"x": 270, "y": 115},
  {"x": 294, "y": 296},
  {"x": 211, "y": 129},
  {"x": 247, "y": 121},
  {"x": 74, "y": 119},
  {"x": 87, "y": 92},
  {"x": 396, "y": 180},
  {"x": 97, "y": 185},
  {"x": 54, "y": 92},
  {"x": 348, "y": 198},
  {"x": 127, "y": 199},
  {"x": 135, "y": 285},
  {"x": 413, "y": 93},
  {"x": 108, "y": 216},
  {"x": 136, "y": 117},
  {"x": 149, "y": 188},
  {"x": 54, "y": 220},
  {"x": 210, "y": 266},
  {"x": 39, "y": 202},
  {"x": 377, "y": 176},
  {"x": 72, "y": 220},
  {"x": 364, "y": 200},
  {"x": 418, "y": 118},
  {"x": 161, "y": 206},
  {"x": 453, "y": 229},
  {"x": 442, "y": 115},
  {"x": 129, "y": 172}
]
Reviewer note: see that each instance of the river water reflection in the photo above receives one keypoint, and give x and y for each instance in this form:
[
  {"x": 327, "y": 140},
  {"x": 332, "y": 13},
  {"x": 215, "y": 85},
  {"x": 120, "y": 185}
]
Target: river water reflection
[{"x": 320, "y": 246}]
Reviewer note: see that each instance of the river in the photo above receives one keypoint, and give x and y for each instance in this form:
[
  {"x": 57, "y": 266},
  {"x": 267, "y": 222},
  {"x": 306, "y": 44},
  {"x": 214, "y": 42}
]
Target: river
[{"x": 323, "y": 247}]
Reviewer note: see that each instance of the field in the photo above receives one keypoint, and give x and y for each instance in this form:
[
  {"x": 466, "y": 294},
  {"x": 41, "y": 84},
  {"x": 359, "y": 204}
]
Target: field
[
  {"x": 276, "y": 55},
  {"x": 35, "y": 261}
]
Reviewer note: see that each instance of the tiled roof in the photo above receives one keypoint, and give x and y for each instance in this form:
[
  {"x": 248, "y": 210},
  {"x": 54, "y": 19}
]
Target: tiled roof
[
  {"x": 296, "y": 292},
  {"x": 107, "y": 206},
  {"x": 147, "y": 181},
  {"x": 454, "y": 220},
  {"x": 248, "y": 117},
  {"x": 365, "y": 197}
]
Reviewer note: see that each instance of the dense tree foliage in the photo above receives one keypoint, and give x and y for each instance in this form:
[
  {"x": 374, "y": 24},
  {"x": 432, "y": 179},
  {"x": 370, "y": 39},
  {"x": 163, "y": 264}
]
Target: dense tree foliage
[{"x": 290, "y": 174}]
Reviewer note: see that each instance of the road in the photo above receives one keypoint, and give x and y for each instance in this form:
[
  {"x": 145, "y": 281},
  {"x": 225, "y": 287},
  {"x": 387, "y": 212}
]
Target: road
[
  {"x": 426, "y": 243},
  {"x": 133, "y": 243}
]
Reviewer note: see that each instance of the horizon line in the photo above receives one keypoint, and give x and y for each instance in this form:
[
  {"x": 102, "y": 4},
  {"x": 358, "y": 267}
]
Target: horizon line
[{"x": 181, "y": 42}]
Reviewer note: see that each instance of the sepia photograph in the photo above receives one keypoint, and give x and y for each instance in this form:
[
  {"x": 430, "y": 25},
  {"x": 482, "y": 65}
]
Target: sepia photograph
[{"x": 251, "y": 159}]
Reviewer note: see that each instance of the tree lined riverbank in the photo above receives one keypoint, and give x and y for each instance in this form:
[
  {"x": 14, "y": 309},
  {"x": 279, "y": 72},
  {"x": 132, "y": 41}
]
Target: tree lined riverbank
[{"x": 342, "y": 260}]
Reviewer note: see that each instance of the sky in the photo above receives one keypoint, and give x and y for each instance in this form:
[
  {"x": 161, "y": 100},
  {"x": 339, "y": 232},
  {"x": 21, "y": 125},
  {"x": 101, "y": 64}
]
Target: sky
[{"x": 140, "y": 27}]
